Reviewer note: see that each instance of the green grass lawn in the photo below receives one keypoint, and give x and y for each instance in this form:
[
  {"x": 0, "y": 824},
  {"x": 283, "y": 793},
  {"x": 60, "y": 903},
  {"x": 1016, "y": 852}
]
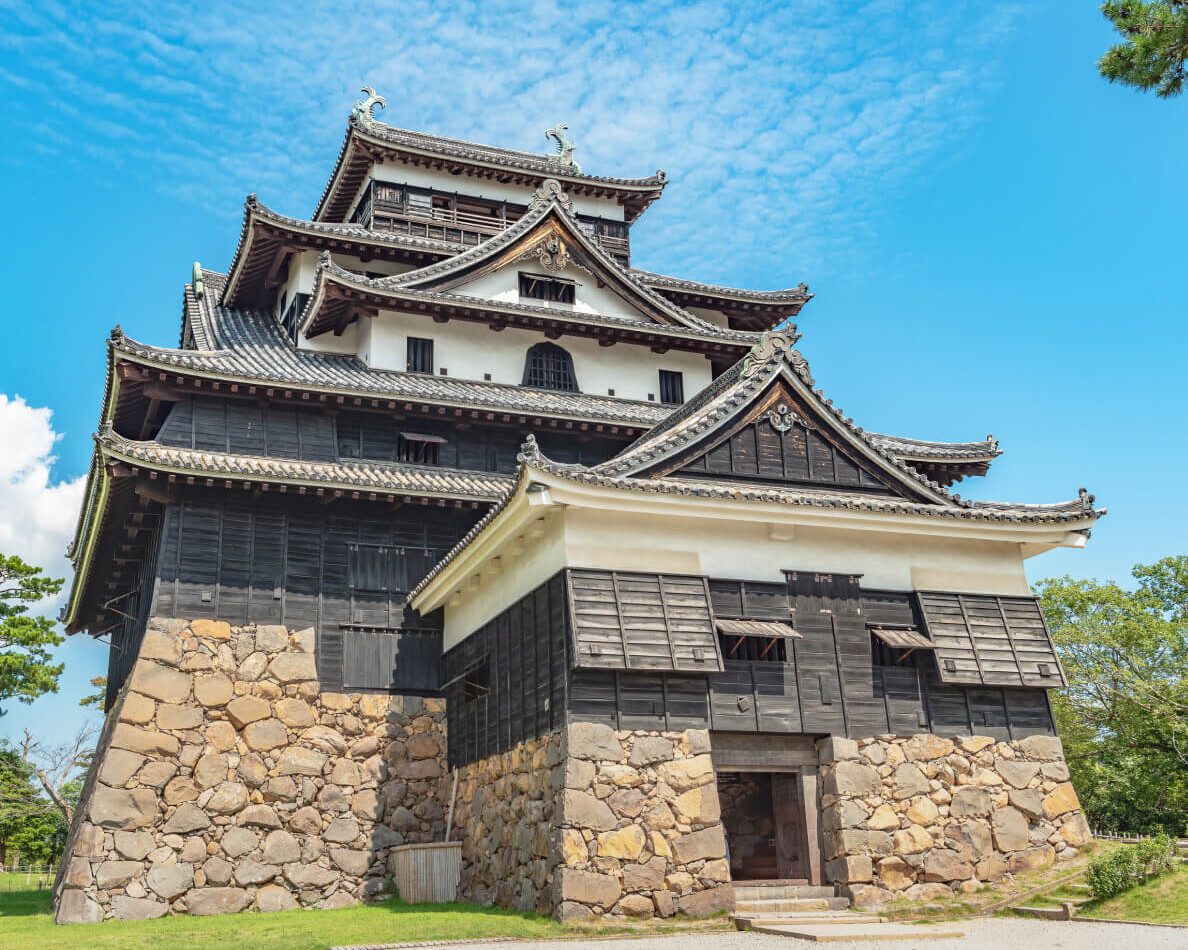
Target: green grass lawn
[
  {"x": 25, "y": 922},
  {"x": 1162, "y": 900}
]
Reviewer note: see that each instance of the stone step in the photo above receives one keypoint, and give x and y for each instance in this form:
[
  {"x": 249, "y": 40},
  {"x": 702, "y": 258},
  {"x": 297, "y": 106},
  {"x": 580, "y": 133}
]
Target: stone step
[
  {"x": 1058, "y": 912},
  {"x": 749, "y": 892},
  {"x": 829, "y": 933},
  {"x": 790, "y": 905},
  {"x": 751, "y": 921}
]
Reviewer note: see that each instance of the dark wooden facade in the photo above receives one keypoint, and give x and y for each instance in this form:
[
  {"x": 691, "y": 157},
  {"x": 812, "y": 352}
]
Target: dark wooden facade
[{"x": 834, "y": 679}]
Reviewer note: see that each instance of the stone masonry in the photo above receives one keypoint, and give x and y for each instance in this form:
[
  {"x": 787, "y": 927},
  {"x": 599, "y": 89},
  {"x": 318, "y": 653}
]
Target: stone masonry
[
  {"x": 593, "y": 822},
  {"x": 230, "y": 781},
  {"x": 921, "y": 817}
]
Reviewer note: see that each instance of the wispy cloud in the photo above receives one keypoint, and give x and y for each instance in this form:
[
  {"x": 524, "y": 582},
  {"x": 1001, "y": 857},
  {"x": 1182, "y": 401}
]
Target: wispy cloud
[{"x": 782, "y": 124}]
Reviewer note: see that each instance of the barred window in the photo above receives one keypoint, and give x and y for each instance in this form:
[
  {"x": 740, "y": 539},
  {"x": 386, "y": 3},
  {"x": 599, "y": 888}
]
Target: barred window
[
  {"x": 538, "y": 287},
  {"x": 292, "y": 313},
  {"x": 672, "y": 387},
  {"x": 419, "y": 447},
  {"x": 550, "y": 367},
  {"x": 420, "y": 355}
]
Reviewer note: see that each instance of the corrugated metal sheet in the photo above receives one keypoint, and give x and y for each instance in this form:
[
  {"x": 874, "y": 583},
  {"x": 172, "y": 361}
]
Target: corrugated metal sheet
[
  {"x": 903, "y": 638},
  {"x": 427, "y": 873},
  {"x": 757, "y": 628}
]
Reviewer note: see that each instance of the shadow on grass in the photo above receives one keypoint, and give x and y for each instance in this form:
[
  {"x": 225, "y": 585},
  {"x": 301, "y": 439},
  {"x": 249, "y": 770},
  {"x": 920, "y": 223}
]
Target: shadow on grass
[{"x": 22, "y": 901}]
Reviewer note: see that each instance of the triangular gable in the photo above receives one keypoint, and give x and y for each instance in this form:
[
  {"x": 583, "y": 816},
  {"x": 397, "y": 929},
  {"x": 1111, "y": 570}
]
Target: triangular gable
[
  {"x": 780, "y": 440},
  {"x": 548, "y": 238},
  {"x": 762, "y": 422}
]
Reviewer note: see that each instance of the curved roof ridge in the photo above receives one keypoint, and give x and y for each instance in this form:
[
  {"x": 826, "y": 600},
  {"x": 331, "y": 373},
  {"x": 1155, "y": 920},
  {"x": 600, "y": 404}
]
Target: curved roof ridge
[
  {"x": 799, "y": 293},
  {"x": 931, "y": 450}
]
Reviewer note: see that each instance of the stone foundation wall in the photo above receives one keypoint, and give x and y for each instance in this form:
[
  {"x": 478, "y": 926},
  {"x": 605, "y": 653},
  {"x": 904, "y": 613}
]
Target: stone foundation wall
[
  {"x": 230, "y": 781},
  {"x": 639, "y": 827},
  {"x": 923, "y": 816},
  {"x": 503, "y": 815}
]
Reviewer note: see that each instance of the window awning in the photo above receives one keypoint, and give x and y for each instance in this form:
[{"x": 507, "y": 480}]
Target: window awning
[
  {"x": 903, "y": 638},
  {"x": 757, "y": 628},
  {"x": 422, "y": 437}
]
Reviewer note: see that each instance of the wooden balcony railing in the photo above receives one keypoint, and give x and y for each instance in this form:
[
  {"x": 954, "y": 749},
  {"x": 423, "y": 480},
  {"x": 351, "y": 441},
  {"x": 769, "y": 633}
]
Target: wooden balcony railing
[{"x": 384, "y": 208}]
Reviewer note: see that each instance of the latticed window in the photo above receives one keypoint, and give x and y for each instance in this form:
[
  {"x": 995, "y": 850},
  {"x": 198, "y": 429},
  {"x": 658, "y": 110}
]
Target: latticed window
[
  {"x": 550, "y": 367},
  {"x": 672, "y": 387},
  {"x": 420, "y": 355},
  {"x": 538, "y": 287}
]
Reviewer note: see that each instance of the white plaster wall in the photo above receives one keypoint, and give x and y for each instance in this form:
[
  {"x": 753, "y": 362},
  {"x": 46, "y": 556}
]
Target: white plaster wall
[
  {"x": 541, "y": 558},
  {"x": 607, "y": 208},
  {"x": 468, "y": 350},
  {"x": 755, "y": 551},
  {"x": 504, "y": 285}
]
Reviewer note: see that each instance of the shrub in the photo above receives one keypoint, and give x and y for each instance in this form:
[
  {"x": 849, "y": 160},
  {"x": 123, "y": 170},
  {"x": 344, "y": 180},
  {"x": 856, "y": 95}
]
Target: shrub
[{"x": 1121, "y": 869}]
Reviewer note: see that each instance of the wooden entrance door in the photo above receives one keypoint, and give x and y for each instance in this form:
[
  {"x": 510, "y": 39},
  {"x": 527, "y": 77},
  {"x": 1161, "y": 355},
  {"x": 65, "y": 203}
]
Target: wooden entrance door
[{"x": 788, "y": 812}]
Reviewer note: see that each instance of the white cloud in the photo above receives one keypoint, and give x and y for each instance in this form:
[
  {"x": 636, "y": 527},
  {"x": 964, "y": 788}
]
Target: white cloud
[
  {"x": 783, "y": 124},
  {"x": 37, "y": 515}
]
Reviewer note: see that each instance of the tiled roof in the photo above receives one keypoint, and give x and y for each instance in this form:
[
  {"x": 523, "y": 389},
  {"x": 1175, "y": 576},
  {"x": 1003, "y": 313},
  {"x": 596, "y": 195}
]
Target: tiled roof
[
  {"x": 350, "y": 475},
  {"x": 798, "y": 294},
  {"x": 471, "y": 153},
  {"x": 937, "y": 452}
]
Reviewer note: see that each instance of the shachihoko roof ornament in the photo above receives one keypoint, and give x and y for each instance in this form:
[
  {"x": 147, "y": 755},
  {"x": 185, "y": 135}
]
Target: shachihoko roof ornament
[
  {"x": 364, "y": 111},
  {"x": 196, "y": 280},
  {"x": 565, "y": 147}
]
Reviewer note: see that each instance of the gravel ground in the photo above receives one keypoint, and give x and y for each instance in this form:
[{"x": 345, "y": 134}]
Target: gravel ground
[{"x": 984, "y": 934}]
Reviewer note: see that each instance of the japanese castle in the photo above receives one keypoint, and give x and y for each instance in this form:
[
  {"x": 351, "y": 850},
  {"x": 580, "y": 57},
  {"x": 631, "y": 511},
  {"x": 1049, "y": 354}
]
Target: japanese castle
[{"x": 446, "y": 534}]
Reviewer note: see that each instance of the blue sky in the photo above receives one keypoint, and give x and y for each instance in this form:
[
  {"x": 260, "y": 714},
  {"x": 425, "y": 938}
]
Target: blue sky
[{"x": 994, "y": 233}]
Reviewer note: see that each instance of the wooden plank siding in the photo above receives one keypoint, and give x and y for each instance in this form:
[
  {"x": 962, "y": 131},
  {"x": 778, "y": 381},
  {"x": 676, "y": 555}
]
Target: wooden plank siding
[
  {"x": 343, "y": 570},
  {"x": 635, "y": 621},
  {"x": 215, "y": 424}
]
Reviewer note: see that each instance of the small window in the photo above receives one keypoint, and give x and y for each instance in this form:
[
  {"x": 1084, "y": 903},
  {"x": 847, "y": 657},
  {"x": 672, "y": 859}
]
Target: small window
[
  {"x": 753, "y": 649},
  {"x": 420, "y": 355},
  {"x": 550, "y": 367},
  {"x": 292, "y": 314},
  {"x": 419, "y": 448},
  {"x": 672, "y": 387},
  {"x": 538, "y": 287}
]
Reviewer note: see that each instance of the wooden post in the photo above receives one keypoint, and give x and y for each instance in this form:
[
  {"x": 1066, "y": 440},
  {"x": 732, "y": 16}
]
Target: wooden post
[{"x": 810, "y": 802}]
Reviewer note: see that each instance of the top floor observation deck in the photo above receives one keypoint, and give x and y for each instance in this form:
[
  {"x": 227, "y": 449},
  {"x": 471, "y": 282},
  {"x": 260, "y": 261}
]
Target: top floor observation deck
[{"x": 462, "y": 219}]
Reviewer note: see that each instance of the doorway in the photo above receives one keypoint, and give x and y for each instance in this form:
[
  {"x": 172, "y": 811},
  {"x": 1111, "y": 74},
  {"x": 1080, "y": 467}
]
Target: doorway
[{"x": 763, "y": 815}]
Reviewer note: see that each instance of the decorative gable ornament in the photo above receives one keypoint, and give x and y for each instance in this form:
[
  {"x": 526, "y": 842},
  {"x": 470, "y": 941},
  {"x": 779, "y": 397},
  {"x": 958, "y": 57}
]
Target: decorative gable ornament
[
  {"x": 783, "y": 418},
  {"x": 364, "y": 111},
  {"x": 565, "y": 147},
  {"x": 774, "y": 343},
  {"x": 550, "y": 190}
]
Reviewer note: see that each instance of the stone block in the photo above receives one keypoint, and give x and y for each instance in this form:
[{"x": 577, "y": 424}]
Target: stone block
[
  {"x": 625, "y": 844},
  {"x": 854, "y": 869},
  {"x": 118, "y": 766},
  {"x": 883, "y": 818},
  {"x": 111, "y": 874},
  {"x": 160, "y": 682},
  {"x": 971, "y": 802},
  {"x": 207, "y": 901},
  {"x": 157, "y": 774},
  {"x": 173, "y": 716},
  {"x": 145, "y": 741},
  {"x": 325, "y": 739},
  {"x": 944, "y": 865},
  {"x": 852, "y": 779},
  {"x": 211, "y": 769},
  {"x": 341, "y": 831},
  {"x": 586, "y": 887},
  {"x": 970, "y": 839},
  {"x": 713, "y": 900},
  {"x": 78, "y": 873},
  {"x": 137, "y": 709},
  {"x": 908, "y": 781},
  {"x": 926, "y": 747},
  {"x": 296, "y": 760},
  {"x": 124, "y": 907},
  {"x": 922, "y": 811},
  {"x": 117, "y": 808},
  {"x": 1030, "y": 801},
  {"x": 259, "y": 816},
  {"x": 272, "y": 638},
  {"x": 698, "y": 806},
  {"x": 854, "y": 841},
  {"x": 1017, "y": 774},
  {"x": 644, "y": 877},
  {"x": 187, "y": 818},
  {"x": 1075, "y": 831},
  {"x": 88, "y": 843},
  {"x": 684, "y": 774},
  {"x": 273, "y": 898},
  {"x": 75, "y": 907},
  {"x": 593, "y": 741},
  {"x": 1041, "y": 748},
  {"x": 665, "y": 902},
  {"x": 229, "y": 798},
  {"x": 265, "y": 734},
  {"x": 213, "y": 689},
  {"x": 911, "y": 840},
  {"x": 896, "y": 874},
  {"x": 634, "y": 905},
  {"x": 250, "y": 872},
  {"x": 299, "y": 667},
  {"x": 237, "y": 842},
  {"x": 836, "y": 749},
  {"x": 700, "y": 845},
  {"x": 295, "y": 713},
  {"x": 1062, "y": 799},
  {"x": 649, "y": 750},
  {"x": 310, "y": 875},
  {"x": 170, "y": 880},
  {"x": 351, "y": 861},
  {"x": 211, "y": 629},
  {"x": 304, "y": 641},
  {"x": 991, "y": 868},
  {"x": 134, "y": 845},
  {"x": 1010, "y": 829},
  {"x": 180, "y": 789},
  {"x": 243, "y": 710},
  {"x": 217, "y": 871},
  {"x": 583, "y": 810},
  {"x": 1032, "y": 859}
]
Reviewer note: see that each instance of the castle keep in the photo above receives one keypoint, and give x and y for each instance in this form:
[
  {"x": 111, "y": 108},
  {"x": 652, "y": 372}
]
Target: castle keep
[{"x": 443, "y": 515}]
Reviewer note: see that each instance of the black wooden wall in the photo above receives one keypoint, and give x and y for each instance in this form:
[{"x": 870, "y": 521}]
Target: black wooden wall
[
  {"x": 135, "y": 607},
  {"x": 243, "y": 427},
  {"x": 343, "y": 569},
  {"x": 505, "y": 683}
]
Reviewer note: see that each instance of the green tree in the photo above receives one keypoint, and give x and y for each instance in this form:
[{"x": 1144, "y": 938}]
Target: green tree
[
  {"x": 99, "y": 697},
  {"x": 25, "y": 668},
  {"x": 1124, "y": 716},
  {"x": 1156, "y": 44}
]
